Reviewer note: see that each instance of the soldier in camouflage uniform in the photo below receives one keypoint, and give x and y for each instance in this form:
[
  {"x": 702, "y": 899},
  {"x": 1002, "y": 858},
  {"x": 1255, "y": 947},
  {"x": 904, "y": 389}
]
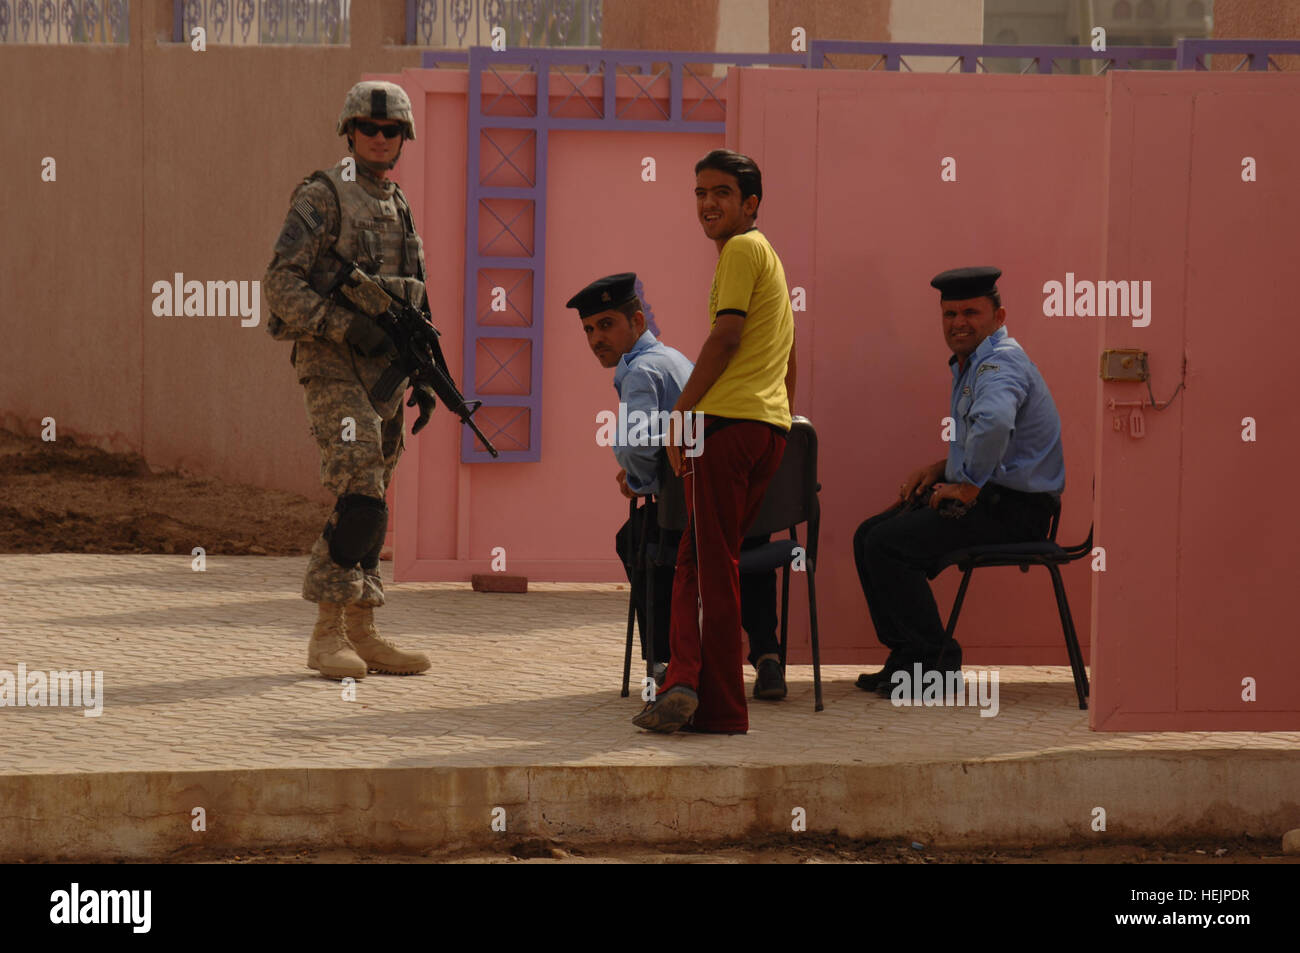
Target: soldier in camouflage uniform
[{"x": 338, "y": 355}]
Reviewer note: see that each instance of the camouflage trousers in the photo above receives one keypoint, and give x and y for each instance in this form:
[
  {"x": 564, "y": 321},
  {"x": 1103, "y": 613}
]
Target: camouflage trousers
[{"x": 359, "y": 450}]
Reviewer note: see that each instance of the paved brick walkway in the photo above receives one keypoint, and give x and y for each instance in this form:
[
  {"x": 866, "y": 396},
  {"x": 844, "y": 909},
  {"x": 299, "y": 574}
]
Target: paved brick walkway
[{"x": 205, "y": 671}]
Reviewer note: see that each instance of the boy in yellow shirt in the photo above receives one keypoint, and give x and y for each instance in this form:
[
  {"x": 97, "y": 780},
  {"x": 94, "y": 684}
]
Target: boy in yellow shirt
[{"x": 743, "y": 382}]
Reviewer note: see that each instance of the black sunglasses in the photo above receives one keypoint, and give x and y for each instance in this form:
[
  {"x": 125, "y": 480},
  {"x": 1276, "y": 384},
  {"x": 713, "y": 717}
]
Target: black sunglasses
[{"x": 373, "y": 129}]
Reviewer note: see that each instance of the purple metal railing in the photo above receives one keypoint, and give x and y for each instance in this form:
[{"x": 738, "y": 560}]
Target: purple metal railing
[
  {"x": 1186, "y": 54},
  {"x": 588, "y": 101},
  {"x": 1257, "y": 53},
  {"x": 971, "y": 56}
]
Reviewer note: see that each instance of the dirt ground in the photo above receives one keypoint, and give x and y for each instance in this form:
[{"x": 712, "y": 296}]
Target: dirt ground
[
  {"x": 793, "y": 849},
  {"x": 59, "y": 497}
]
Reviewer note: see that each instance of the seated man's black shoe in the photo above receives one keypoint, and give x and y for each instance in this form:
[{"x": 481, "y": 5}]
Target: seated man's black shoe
[
  {"x": 870, "y": 681},
  {"x": 915, "y": 687},
  {"x": 769, "y": 683},
  {"x": 905, "y": 663},
  {"x": 887, "y": 687},
  {"x": 949, "y": 657}
]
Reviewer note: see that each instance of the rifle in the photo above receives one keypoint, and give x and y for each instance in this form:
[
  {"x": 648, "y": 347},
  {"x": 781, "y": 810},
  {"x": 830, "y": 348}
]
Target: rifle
[{"x": 419, "y": 355}]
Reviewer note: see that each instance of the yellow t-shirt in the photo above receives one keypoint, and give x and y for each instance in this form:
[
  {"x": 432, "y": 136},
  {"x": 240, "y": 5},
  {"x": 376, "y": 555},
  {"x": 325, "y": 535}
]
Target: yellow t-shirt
[{"x": 749, "y": 280}]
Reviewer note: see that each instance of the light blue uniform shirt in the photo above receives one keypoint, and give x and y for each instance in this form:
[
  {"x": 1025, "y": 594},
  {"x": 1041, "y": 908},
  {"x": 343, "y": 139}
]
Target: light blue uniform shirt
[
  {"x": 649, "y": 378},
  {"x": 1008, "y": 431}
]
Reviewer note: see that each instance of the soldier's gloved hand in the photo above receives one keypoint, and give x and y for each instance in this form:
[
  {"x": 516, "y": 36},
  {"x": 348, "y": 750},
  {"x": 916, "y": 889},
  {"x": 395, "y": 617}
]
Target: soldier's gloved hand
[
  {"x": 399, "y": 288},
  {"x": 423, "y": 395},
  {"x": 368, "y": 339}
]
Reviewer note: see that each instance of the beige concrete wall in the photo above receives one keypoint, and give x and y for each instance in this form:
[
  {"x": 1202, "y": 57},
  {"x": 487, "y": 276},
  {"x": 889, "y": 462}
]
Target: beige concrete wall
[
  {"x": 935, "y": 21},
  {"x": 742, "y": 26},
  {"x": 168, "y": 160},
  {"x": 834, "y": 20},
  {"x": 1256, "y": 19},
  {"x": 749, "y": 26},
  {"x": 662, "y": 25},
  {"x": 822, "y": 20}
]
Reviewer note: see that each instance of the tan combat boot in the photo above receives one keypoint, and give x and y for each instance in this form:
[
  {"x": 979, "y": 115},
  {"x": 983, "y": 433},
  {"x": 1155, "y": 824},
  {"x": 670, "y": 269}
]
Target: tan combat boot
[
  {"x": 328, "y": 652},
  {"x": 378, "y": 653}
]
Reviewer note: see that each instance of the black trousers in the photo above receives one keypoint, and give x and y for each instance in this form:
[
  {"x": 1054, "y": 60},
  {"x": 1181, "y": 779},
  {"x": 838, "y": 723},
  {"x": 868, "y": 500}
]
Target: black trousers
[
  {"x": 758, "y": 615},
  {"x": 897, "y": 553}
]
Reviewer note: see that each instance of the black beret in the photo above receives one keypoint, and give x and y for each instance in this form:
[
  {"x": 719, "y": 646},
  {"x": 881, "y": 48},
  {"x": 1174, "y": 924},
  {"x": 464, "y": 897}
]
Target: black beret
[
  {"x": 962, "y": 283},
  {"x": 604, "y": 294}
]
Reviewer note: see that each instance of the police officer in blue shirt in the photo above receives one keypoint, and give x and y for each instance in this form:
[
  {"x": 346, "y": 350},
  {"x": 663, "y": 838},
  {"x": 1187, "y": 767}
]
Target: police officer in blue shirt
[
  {"x": 649, "y": 377},
  {"x": 1000, "y": 483}
]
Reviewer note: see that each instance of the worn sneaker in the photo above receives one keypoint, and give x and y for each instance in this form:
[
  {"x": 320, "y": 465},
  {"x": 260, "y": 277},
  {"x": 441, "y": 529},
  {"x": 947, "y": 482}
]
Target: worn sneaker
[
  {"x": 769, "y": 684},
  {"x": 669, "y": 711}
]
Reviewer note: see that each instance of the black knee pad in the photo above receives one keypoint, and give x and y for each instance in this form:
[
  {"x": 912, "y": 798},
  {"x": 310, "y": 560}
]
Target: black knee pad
[
  {"x": 362, "y": 521},
  {"x": 371, "y": 559}
]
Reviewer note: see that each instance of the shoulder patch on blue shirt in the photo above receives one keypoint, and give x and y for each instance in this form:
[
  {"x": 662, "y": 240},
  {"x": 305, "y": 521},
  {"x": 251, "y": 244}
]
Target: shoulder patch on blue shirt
[{"x": 987, "y": 367}]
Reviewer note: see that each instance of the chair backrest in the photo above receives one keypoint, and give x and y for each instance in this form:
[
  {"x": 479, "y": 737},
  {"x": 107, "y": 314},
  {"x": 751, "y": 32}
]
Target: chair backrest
[
  {"x": 671, "y": 498},
  {"x": 791, "y": 497}
]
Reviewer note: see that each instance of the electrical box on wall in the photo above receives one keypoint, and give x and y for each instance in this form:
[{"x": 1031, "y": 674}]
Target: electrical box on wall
[{"x": 1124, "y": 364}]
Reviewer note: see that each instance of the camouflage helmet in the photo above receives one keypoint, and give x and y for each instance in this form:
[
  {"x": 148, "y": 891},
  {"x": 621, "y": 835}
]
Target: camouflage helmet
[{"x": 377, "y": 100}]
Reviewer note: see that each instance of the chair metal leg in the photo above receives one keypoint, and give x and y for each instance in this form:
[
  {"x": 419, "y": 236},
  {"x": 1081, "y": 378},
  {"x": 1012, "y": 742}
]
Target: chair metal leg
[
  {"x": 639, "y": 547},
  {"x": 649, "y": 633},
  {"x": 956, "y": 606},
  {"x": 816, "y": 646},
  {"x": 785, "y": 609},
  {"x": 643, "y": 531},
  {"x": 1071, "y": 638},
  {"x": 627, "y": 650}
]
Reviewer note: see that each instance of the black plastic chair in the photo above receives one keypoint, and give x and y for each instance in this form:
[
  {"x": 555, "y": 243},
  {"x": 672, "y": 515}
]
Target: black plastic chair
[
  {"x": 1047, "y": 553},
  {"x": 791, "y": 499},
  {"x": 670, "y": 506},
  {"x": 639, "y": 517}
]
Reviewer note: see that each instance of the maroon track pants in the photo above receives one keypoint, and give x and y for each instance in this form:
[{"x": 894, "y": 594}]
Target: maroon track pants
[{"x": 724, "y": 489}]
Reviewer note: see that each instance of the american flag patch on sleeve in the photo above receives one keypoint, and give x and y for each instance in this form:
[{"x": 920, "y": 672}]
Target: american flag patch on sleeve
[{"x": 309, "y": 214}]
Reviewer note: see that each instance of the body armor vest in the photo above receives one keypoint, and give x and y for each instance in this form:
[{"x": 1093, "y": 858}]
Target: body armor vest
[{"x": 378, "y": 234}]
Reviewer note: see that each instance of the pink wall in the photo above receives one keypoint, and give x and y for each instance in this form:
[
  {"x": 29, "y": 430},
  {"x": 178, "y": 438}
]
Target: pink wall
[
  {"x": 875, "y": 382},
  {"x": 1199, "y": 525},
  {"x": 856, "y": 208},
  {"x": 556, "y": 518},
  {"x": 1134, "y": 177}
]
